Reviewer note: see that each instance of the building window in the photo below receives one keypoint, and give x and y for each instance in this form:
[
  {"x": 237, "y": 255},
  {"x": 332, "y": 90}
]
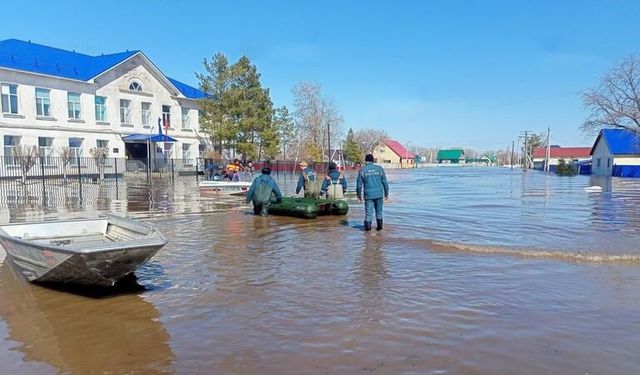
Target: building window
[
  {"x": 166, "y": 116},
  {"x": 101, "y": 108},
  {"x": 75, "y": 146},
  {"x": 168, "y": 150},
  {"x": 146, "y": 114},
  {"x": 598, "y": 162},
  {"x": 125, "y": 111},
  {"x": 135, "y": 86},
  {"x": 10, "y": 144},
  {"x": 43, "y": 102},
  {"x": 9, "y": 98},
  {"x": 45, "y": 145},
  {"x": 186, "y": 153},
  {"x": 73, "y": 100},
  {"x": 185, "y": 118}
]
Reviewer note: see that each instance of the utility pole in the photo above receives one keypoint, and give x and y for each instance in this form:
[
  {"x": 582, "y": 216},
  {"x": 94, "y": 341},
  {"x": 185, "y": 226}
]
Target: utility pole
[
  {"x": 513, "y": 145},
  {"x": 329, "y": 140},
  {"x": 548, "y": 155}
]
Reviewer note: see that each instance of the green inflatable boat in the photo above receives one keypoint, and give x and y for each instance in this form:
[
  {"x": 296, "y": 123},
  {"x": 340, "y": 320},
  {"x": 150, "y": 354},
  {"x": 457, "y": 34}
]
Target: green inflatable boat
[{"x": 308, "y": 208}]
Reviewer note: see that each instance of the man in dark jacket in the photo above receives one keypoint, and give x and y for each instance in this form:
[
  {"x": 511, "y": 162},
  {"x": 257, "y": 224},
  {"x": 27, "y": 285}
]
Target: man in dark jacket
[
  {"x": 307, "y": 180},
  {"x": 373, "y": 182},
  {"x": 334, "y": 184},
  {"x": 262, "y": 192}
]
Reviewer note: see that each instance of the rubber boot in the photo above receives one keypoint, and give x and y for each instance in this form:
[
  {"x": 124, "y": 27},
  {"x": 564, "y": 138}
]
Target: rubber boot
[
  {"x": 379, "y": 222},
  {"x": 367, "y": 226}
]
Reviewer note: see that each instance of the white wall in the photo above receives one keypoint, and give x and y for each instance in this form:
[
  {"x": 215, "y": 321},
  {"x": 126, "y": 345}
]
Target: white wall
[
  {"x": 602, "y": 159},
  {"x": 114, "y": 86}
]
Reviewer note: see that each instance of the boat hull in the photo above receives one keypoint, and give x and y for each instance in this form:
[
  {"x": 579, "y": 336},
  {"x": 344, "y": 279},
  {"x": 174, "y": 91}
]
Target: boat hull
[
  {"x": 88, "y": 263},
  {"x": 222, "y": 187},
  {"x": 308, "y": 208}
]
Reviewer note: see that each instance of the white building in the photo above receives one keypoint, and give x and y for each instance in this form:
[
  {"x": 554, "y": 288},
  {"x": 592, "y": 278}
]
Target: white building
[
  {"x": 54, "y": 98},
  {"x": 616, "y": 152}
]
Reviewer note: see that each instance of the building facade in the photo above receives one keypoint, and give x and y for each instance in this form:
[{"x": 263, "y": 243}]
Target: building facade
[
  {"x": 56, "y": 99},
  {"x": 616, "y": 152},
  {"x": 569, "y": 154},
  {"x": 392, "y": 154}
]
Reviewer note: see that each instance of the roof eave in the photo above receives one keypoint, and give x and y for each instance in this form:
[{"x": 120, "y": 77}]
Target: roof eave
[{"x": 46, "y": 75}]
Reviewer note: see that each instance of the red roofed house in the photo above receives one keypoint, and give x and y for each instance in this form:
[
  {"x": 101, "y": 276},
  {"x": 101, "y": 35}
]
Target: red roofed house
[
  {"x": 569, "y": 154},
  {"x": 391, "y": 154}
]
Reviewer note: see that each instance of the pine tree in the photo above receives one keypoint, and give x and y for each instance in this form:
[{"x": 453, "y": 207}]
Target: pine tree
[{"x": 351, "y": 150}]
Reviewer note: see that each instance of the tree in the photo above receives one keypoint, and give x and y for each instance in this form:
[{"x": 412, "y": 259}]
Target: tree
[
  {"x": 286, "y": 129},
  {"x": 615, "y": 103},
  {"x": 315, "y": 116},
  {"x": 100, "y": 155},
  {"x": 565, "y": 169},
  {"x": 65, "y": 156},
  {"x": 351, "y": 150},
  {"x": 533, "y": 142},
  {"x": 26, "y": 157},
  {"x": 237, "y": 111},
  {"x": 368, "y": 139}
]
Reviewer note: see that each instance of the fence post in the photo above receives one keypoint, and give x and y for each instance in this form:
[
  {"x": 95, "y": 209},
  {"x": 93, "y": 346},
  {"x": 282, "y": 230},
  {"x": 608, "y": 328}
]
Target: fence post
[
  {"x": 172, "y": 177},
  {"x": 79, "y": 177},
  {"x": 115, "y": 167},
  {"x": 42, "y": 170}
]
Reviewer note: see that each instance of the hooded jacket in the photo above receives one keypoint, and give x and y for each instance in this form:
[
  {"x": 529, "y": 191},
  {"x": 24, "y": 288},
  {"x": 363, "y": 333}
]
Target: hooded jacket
[
  {"x": 334, "y": 175},
  {"x": 372, "y": 181},
  {"x": 266, "y": 179}
]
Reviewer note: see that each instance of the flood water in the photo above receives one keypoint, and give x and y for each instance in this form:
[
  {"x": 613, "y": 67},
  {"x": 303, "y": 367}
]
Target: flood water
[{"x": 478, "y": 271}]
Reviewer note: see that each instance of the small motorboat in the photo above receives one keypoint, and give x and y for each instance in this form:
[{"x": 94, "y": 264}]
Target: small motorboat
[
  {"x": 92, "y": 252},
  {"x": 308, "y": 208},
  {"x": 238, "y": 186}
]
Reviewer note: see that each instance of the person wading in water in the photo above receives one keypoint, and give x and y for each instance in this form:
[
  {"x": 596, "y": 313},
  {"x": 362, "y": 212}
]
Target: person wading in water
[
  {"x": 372, "y": 181},
  {"x": 263, "y": 192},
  {"x": 308, "y": 181}
]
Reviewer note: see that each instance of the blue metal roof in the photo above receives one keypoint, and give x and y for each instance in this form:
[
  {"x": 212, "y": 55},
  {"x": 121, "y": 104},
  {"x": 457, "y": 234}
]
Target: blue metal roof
[
  {"x": 188, "y": 91},
  {"x": 148, "y": 137},
  {"x": 620, "y": 141},
  {"x": 36, "y": 58}
]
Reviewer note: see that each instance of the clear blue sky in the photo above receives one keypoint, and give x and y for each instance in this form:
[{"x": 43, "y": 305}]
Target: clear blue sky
[{"x": 433, "y": 73}]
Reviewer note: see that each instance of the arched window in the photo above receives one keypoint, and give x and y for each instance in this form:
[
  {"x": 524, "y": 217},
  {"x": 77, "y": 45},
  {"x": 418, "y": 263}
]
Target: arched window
[{"x": 135, "y": 86}]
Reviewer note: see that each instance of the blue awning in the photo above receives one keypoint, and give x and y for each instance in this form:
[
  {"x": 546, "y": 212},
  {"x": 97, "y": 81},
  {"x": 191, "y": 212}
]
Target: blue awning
[{"x": 148, "y": 138}]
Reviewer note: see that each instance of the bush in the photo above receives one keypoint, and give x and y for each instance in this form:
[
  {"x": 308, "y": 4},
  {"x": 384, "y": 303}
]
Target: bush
[{"x": 565, "y": 169}]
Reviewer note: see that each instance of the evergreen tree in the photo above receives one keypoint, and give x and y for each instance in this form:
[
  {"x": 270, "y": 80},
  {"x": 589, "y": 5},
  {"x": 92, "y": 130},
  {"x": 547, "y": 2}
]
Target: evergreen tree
[
  {"x": 351, "y": 150},
  {"x": 238, "y": 110},
  {"x": 286, "y": 129}
]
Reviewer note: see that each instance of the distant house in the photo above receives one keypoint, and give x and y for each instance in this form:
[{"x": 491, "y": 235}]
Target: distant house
[
  {"x": 569, "y": 154},
  {"x": 616, "y": 152},
  {"x": 392, "y": 154},
  {"x": 451, "y": 156}
]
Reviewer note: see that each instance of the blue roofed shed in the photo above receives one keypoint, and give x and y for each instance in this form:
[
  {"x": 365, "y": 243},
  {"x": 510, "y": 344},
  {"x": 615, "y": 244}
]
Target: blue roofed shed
[{"x": 616, "y": 152}]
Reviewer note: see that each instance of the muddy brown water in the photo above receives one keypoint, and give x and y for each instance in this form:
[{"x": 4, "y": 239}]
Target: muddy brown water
[{"x": 478, "y": 271}]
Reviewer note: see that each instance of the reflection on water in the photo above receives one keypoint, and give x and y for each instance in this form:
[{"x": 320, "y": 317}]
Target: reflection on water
[
  {"x": 79, "y": 335},
  {"x": 235, "y": 293}
]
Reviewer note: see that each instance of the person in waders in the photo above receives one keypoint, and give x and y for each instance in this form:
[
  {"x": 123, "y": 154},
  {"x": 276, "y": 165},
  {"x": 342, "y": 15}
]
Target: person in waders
[
  {"x": 334, "y": 185},
  {"x": 308, "y": 181},
  {"x": 372, "y": 183},
  {"x": 263, "y": 192}
]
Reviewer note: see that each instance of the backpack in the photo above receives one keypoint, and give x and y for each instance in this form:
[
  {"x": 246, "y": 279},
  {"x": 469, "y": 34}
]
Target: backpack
[
  {"x": 311, "y": 187},
  {"x": 262, "y": 194},
  {"x": 334, "y": 190}
]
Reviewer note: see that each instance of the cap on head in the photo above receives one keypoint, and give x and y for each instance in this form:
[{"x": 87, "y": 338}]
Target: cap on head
[
  {"x": 266, "y": 170},
  {"x": 332, "y": 166},
  {"x": 368, "y": 158}
]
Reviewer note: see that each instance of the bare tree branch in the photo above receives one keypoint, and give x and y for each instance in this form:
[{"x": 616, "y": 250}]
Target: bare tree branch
[{"x": 615, "y": 103}]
